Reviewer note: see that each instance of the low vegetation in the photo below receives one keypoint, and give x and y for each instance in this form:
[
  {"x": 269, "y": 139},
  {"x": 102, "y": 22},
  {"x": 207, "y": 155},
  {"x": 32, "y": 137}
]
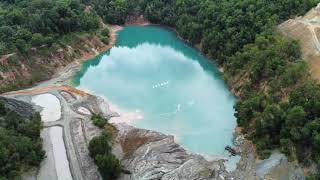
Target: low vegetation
[
  {"x": 99, "y": 120},
  {"x": 105, "y": 35},
  {"x": 100, "y": 150},
  {"x": 20, "y": 143}
]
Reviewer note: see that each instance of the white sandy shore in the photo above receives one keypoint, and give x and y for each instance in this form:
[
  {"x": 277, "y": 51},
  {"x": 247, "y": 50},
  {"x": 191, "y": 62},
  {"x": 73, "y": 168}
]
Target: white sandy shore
[{"x": 124, "y": 116}]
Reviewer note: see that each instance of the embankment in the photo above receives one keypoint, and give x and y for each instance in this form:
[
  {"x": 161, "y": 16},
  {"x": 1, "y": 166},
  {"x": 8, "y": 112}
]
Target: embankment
[{"x": 19, "y": 71}]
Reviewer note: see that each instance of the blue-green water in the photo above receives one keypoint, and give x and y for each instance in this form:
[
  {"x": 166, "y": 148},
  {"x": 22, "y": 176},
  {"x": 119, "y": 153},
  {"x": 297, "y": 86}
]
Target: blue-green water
[{"x": 176, "y": 88}]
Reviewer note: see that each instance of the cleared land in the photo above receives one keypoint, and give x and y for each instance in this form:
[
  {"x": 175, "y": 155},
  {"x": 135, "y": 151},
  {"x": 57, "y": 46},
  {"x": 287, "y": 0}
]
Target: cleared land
[{"x": 306, "y": 30}]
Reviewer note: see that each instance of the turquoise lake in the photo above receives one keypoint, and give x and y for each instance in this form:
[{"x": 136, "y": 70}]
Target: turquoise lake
[{"x": 177, "y": 90}]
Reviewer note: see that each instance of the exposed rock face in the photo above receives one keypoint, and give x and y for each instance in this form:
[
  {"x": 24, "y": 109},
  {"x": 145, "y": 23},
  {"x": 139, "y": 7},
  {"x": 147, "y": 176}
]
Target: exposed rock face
[
  {"x": 276, "y": 166},
  {"x": 22, "y": 108},
  {"x": 153, "y": 155}
]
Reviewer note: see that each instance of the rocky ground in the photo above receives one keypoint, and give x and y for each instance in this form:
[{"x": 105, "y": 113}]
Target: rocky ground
[{"x": 153, "y": 155}]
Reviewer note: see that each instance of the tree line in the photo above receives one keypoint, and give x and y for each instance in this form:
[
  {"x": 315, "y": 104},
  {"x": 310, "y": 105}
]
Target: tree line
[
  {"x": 36, "y": 23},
  {"x": 279, "y": 105},
  {"x": 20, "y": 143}
]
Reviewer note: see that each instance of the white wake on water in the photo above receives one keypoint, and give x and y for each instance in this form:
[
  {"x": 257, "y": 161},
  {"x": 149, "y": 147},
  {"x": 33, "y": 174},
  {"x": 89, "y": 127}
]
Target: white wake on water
[{"x": 160, "y": 84}]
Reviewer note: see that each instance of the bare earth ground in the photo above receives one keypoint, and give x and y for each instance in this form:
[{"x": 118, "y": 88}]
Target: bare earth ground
[{"x": 306, "y": 30}]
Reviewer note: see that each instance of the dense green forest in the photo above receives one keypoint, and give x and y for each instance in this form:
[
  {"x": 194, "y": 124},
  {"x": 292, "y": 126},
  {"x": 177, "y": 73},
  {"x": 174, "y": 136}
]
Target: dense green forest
[
  {"x": 221, "y": 27},
  {"x": 279, "y": 104},
  {"x": 279, "y": 107},
  {"x": 20, "y": 143},
  {"x": 38, "y": 23}
]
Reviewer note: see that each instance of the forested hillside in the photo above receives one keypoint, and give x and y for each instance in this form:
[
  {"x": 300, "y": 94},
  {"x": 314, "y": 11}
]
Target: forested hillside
[
  {"x": 222, "y": 27},
  {"x": 36, "y": 23},
  {"x": 39, "y": 36}
]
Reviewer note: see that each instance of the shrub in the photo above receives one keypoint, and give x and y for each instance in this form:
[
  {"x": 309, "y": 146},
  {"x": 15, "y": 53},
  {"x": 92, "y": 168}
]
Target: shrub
[
  {"x": 105, "y": 39},
  {"x": 99, "y": 120},
  {"x": 105, "y": 32},
  {"x": 37, "y": 39},
  {"x": 99, "y": 145},
  {"x": 108, "y": 165},
  {"x": 100, "y": 150}
]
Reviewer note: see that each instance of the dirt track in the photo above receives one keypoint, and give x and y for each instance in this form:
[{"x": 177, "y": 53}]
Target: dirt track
[
  {"x": 46, "y": 89},
  {"x": 77, "y": 131}
]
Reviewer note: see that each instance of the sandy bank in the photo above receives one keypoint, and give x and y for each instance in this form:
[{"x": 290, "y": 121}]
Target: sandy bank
[{"x": 124, "y": 116}]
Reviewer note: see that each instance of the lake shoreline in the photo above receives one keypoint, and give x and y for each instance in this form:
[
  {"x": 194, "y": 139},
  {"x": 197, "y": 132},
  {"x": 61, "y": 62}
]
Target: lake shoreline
[
  {"x": 64, "y": 75},
  {"x": 90, "y": 67},
  {"x": 247, "y": 155},
  {"x": 133, "y": 146}
]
